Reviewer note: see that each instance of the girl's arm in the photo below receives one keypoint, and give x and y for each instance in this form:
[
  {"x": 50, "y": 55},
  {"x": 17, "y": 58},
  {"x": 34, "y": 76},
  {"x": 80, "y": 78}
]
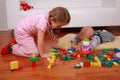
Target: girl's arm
[{"x": 40, "y": 42}]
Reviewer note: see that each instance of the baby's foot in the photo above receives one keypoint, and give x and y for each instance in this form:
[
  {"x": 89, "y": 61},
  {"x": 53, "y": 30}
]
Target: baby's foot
[{"x": 46, "y": 55}]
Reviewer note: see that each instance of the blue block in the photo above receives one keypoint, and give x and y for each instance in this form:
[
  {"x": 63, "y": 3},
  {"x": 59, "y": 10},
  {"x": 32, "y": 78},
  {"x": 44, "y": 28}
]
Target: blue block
[
  {"x": 116, "y": 50},
  {"x": 104, "y": 51}
]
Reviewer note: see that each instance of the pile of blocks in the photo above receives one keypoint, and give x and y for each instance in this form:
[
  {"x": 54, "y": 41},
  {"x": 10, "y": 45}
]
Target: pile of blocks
[{"x": 107, "y": 58}]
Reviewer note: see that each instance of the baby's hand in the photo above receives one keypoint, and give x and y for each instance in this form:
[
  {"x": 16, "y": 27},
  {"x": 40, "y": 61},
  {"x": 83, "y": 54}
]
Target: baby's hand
[
  {"x": 73, "y": 44},
  {"x": 46, "y": 55}
]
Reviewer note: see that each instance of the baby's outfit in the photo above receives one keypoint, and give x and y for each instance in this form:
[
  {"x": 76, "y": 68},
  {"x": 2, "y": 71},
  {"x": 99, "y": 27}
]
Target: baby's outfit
[
  {"x": 100, "y": 36},
  {"x": 25, "y": 32}
]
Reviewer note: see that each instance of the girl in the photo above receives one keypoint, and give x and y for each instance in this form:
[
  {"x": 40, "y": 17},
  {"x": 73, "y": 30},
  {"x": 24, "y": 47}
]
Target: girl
[{"x": 36, "y": 25}]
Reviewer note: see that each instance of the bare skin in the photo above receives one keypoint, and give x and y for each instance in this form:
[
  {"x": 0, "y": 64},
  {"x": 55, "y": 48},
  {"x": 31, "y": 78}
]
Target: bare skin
[
  {"x": 40, "y": 40},
  {"x": 86, "y": 32}
]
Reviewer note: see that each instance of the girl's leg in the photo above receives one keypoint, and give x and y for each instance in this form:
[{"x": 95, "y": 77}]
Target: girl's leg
[
  {"x": 25, "y": 44},
  {"x": 7, "y": 48},
  {"x": 25, "y": 47}
]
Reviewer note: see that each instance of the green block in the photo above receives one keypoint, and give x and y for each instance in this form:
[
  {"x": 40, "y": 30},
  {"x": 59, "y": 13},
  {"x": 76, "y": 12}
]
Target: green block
[
  {"x": 69, "y": 58},
  {"x": 84, "y": 56},
  {"x": 118, "y": 61},
  {"x": 57, "y": 54},
  {"x": 102, "y": 59},
  {"x": 90, "y": 60},
  {"x": 108, "y": 49},
  {"x": 91, "y": 57},
  {"x": 35, "y": 59},
  {"x": 109, "y": 65},
  {"x": 77, "y": 67},
  {"x": 64, "y": 58}
]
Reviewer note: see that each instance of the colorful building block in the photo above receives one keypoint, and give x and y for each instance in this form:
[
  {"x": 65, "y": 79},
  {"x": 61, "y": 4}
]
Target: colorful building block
[
  {"x": 14, "y": 65},
  {"x": 33, "y": 60},
  {"x": 77, "y": 66},
  {"x": 51, "y": 61}
]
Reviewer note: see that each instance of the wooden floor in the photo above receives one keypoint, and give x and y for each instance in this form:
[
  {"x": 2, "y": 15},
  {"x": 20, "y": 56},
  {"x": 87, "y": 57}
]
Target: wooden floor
[{"x": 61, "y": 70}]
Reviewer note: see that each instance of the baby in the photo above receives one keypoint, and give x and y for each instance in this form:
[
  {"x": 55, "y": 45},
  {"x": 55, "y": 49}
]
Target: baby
[{"x": 96, "y": 37}]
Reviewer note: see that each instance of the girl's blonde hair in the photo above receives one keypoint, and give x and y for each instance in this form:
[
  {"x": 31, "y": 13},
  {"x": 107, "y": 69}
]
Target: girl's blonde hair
[{"x": 59, "y": 14}]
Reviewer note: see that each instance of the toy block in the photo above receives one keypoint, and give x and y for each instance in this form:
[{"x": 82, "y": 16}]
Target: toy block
[
  {"x": 118, "y": 54},
  {"x": 73, "y": 49},
  {"x": 97, "y": 64},
  {"x": 77, "y": 66},
  {"x": 81, "y": 64},
  {"x": 101, "y": 58},
  {"x": 104, "y": 51},
  {"x": 53, "y": 49},
  {"x": 110, "y": 55},
  {"x": 13, "y": 65},
  {"x": 86, "y": 64},
  {"x": 91, "y": 60},
  {"x": 90, "y": 57},
  {"x": 108, "y": 49},
  {"x": 108, "y": 58},
  {"x": 108, "y": 63},
  {"x": 118, "y": 62},
  {"x": 115, "y": 63},
  {"x": 91, "y": 64},
  {"x": 33, "y": 58},
  {"x": 64, "y": 57},
  {"x": 116, "y": 50},
  {"x": 33, "y": 64},
  {"x": 84, "y": 56},
  {"x": 53, "y": 59},
  {"x": 74, "y": 55},
  {"x": 78, "y": 56},
  {"x": 57, "y": 54},
  {"x": 50, "y": 63},
  {"x": 105, "y": 56},
  {"x": 49, "y": 66},
  {"x": 96, "y": 58}
]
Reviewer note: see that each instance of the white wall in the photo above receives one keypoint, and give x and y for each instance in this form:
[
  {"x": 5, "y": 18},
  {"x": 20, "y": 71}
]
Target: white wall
[
  {"x": 3, "y": 17},
  {"x": 83, "y": 12}
]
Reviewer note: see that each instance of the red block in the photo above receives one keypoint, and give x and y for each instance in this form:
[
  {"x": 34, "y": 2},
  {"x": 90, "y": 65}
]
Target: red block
[
  {"x": 33, "y": 64},
  {"x": 110, "y": 54},
  {"x": 86, "y": 64},
  {"x": 74, "y": 55}
]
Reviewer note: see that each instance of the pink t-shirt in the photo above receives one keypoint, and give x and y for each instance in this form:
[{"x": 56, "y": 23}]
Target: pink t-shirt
[{"x": 32, "y": 23}]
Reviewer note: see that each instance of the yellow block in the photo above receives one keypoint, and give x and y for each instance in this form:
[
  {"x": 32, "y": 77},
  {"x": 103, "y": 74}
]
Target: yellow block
[
  {"x": 33, "y": 55},
  {"x": 13, "y": 65},
  {"x": 116, "y": 64}
]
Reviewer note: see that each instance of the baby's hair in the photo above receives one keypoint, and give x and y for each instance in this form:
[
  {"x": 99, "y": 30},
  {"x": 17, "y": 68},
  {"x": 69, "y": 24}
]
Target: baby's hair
[{"x": 59, "y": 14}]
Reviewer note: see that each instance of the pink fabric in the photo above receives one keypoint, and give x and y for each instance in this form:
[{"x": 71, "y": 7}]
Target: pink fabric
[{"x": 24, "y": 34}]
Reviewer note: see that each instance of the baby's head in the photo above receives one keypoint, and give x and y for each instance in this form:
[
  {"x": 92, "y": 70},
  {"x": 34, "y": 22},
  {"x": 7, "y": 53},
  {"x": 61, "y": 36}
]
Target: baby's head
[
  {"x": 58, "y": 17},
  {"x": 86, "y": 32}
]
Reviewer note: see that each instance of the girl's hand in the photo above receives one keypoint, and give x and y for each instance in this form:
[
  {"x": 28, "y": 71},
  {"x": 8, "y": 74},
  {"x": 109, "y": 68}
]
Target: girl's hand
[{"x": 46, "y": 55}]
